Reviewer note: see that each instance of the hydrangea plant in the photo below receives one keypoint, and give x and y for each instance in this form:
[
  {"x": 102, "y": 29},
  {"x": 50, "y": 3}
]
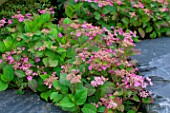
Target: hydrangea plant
[
  {"x": 78, "y": 66},
  {"x": 148, "y": 18}
]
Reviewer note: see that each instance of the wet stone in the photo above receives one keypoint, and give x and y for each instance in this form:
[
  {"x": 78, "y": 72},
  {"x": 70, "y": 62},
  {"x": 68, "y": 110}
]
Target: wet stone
[
  {"x": 30, "y": 102},
  {"x": 154, "y": 62}
]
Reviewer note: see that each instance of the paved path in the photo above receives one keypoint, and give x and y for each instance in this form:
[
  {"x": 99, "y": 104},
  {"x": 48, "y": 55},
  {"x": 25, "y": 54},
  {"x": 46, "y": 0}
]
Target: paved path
[
  {"x": 10, "y": 102},
  {"x": 155, "y": 63}
]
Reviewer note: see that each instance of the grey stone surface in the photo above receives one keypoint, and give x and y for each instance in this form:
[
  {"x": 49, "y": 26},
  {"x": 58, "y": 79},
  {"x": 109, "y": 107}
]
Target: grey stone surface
[
  {"x": 154, "y": 62},
  {"x": 30, "y": 102}
]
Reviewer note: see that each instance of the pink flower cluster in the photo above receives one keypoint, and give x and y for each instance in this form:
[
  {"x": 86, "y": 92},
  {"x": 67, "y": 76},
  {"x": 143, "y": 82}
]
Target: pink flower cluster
[
  {"x": 2, "y": 22},
  {"x": 98, "y": 81},
  {"x": 22, "y": 63},
  {"x": 144, "y": 94},
  {"x": 101, "y": 60},
  {"x": 49, "y": 81},
  {"x": 74, "y": 77},
  {"x": 19, "y": 16},
  {"x": 111, "y": 103},
  {"x": 49, "y": 11},
  {"x": 86, "y": 30}
]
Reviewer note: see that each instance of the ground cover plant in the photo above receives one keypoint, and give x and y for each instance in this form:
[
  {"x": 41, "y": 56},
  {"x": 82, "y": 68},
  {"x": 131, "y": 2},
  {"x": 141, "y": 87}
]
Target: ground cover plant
[
  {"x": 78, "y": 66},
  {"x": 148, "y": 18}
]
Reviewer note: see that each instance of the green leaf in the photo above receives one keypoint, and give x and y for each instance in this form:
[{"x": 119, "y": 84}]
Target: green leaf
[
  {"x": 69, "y": 11},
  {"x": 41, "y": 86},
  {"x": 145, "y": 18},
  {"x": 49, "y": 62},
  {"x": 67, "y": 21},
  {"x": 19, "y": 73},
  {"x": 97, "y": 15},
  {"x": 45, "y": 61},
  {"x": 8, "y": 74},
  {"x": 66, "y": 102},
  {"x": 107, "y": 87},
  {"x": 147, "y": 100},
  {"x": 95, "y": 6},
  {"x": 60, "y": 50},
  {"x": 45, "y": 95},
  {"x": 131, "y": 111},
  {"x": 153, "y": 35},
  {"x": 81, "y": 96},
  {"x": 101, "y": 109},
  {"x": 89, "y": 108},
  {"x": 33, "y": 85},
  {"x": 63, "y": 80},
  {"x": 53, "y": 63},
  {"x": 141, "y": 32},
  {"x": 90, "y": 89},
  {"x": 44, "y": 76},
  {"x": 3, "y": 85},
  {"x": 125, "y": 21},
  {"x": 55, "y": 97},
  {"x": 136, "y": 98},
  {"x": 149, "y": 29},
  {"x": 78, "y": 6},
  {"x": 2, "y": 47}
]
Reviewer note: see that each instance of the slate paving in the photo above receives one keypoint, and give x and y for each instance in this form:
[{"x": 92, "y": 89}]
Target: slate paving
[
  {"x": 30, "y": 102},
  {"x": 153, "y": 62}
]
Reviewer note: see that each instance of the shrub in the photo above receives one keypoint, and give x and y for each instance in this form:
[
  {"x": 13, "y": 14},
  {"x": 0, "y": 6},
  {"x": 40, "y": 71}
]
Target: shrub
[
  {"x": 9, "y": 7},
  {"x": 149, "y": 18},
  {"x": 79, "y": 66}
]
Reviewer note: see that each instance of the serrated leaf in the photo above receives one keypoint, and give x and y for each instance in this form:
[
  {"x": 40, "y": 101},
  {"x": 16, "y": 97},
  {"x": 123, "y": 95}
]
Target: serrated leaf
[
  {"x": 125, "y": 21},
  {"x": 66, "y": 102},
  {"x": 2, "y": 47},
  {"x": 53, "y": 63},
  {"x": 149, "y": 29},
  {"x": 147, "y": 100},
  {"x": 44, "y": 76},
  {"x": 90, "y": 89},
  {"x": 145, "y": 19},
  {"x": 67, "y": 21},
  {"x": 97, "y": 15},
  {"x": 131, "y": 111},
  {"x": 55, "y": 97},
  {"x": 19, "y": 73},
  {"x": 81, "y": 96},
  {"x": 63, "y": 80},
  {"x": 60, "y": 50},
  {"x": 8, "y": 74},
  {"x": 45, "y": 95},
  {"x": 107, "y": 87},
  {"x": 3, "y": 85},
  {"x": 89, "y": 108},
  {"x": 101, "y": 109},
  {"x": 45, "y": 61},
  {"x": 33, "y": 85},
  {"x": 141, "y": 32},
  {"x": 69, "y": 11},
  {"x": 136, "y": 98}
]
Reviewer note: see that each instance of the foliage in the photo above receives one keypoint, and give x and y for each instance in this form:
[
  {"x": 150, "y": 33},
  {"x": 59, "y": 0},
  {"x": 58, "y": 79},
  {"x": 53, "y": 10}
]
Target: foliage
[
  {"x": 9, "y": 7},
  {"x": 80, "y": 67},
  {"x": 149, "y": 18}
]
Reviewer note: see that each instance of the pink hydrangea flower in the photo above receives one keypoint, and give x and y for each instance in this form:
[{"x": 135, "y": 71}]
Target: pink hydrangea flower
[
  {"x": 0, "y": 61},
  {"x": 10, "y": 21},
  {"x": 60, "y": 35},
  {"x": 29, "y": 78},
  {"x": 37, "y": 59}
]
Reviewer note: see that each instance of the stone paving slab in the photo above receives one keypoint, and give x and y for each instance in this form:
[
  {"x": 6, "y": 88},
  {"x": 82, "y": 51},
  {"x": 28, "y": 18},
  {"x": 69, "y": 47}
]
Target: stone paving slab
[
  {"x": 155, "y": 63},
  {"x": 30, "y": 102}
]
